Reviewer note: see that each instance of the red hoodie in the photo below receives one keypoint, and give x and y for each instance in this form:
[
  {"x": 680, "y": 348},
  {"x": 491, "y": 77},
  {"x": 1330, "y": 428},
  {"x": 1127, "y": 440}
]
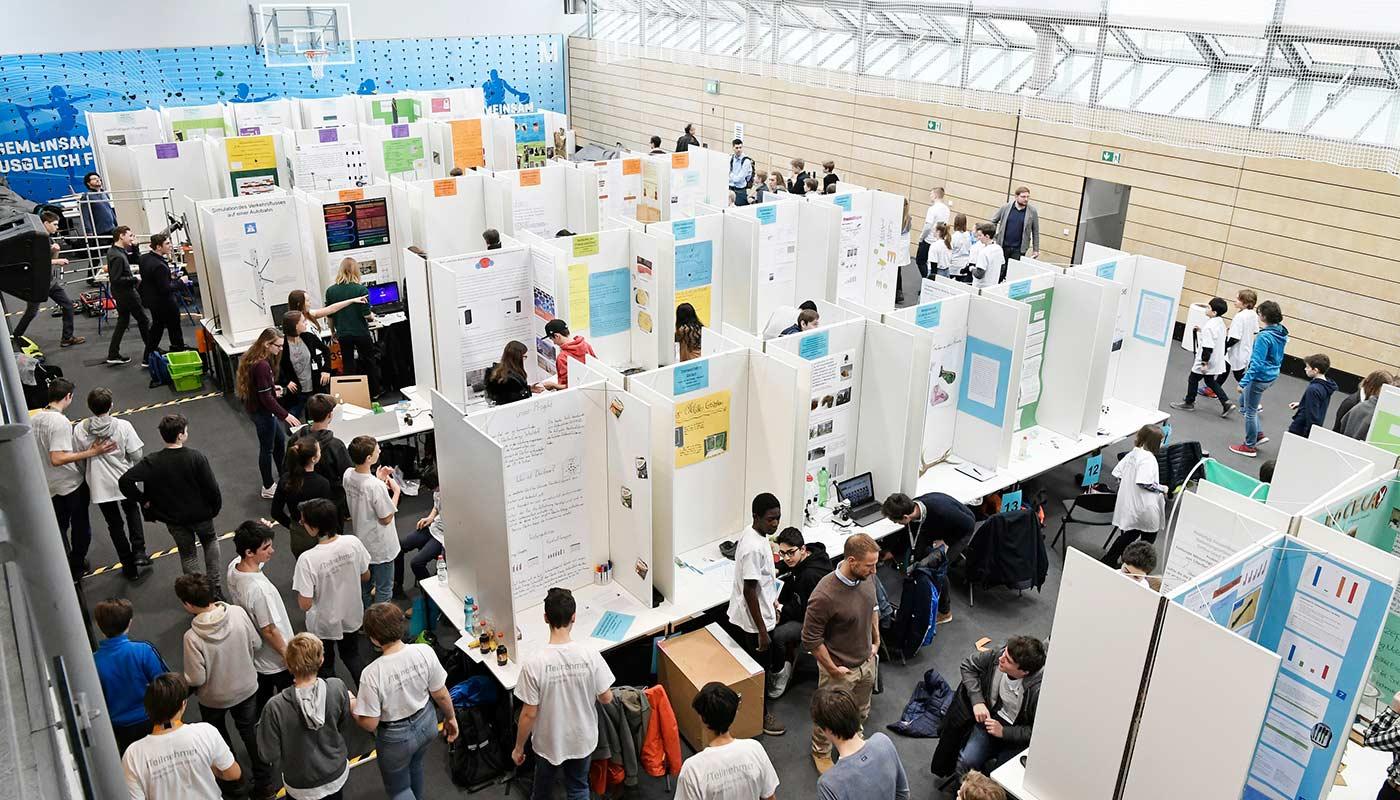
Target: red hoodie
[{"x": 576, "y": 348}]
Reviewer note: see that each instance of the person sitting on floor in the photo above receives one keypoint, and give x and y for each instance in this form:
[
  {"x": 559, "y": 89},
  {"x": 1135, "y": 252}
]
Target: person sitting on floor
[{"x": 993, "y": 711}]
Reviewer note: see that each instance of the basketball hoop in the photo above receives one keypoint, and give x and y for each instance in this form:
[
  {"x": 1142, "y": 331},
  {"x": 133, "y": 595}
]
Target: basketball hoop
[{"x": 316, "y": 60}]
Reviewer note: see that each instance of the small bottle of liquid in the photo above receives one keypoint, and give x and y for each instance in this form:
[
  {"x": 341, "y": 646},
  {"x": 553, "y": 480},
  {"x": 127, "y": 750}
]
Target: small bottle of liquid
[
  {"x": 501, "y": 656},
  {"x": 468, "y": 612},
  {"x": 442, "y": 568}
]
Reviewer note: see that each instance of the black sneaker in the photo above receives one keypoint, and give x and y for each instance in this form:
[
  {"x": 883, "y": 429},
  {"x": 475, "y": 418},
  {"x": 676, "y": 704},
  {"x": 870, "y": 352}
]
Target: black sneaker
[
  {"x": 118, "y": 360},
  {"x": 1184, "y": 406},
  {"x": 1225, "y": 412},
  {"x": 141, "y": 560}
]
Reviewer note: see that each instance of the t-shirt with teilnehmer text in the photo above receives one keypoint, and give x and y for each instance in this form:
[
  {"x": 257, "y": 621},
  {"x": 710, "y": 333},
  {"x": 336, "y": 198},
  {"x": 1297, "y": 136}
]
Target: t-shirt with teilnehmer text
[
  {"x": 564, "y": 680},
  {"x": 369, "y": 501},
  {"x": 53, "y": 432},
  {"x": 254, "y": 593},
  {"x": 739, "y": 770},
  {"x": 178, "y": 765},
  {"x": 397, "y": 685},
  {"x": 329, "y": 574}
]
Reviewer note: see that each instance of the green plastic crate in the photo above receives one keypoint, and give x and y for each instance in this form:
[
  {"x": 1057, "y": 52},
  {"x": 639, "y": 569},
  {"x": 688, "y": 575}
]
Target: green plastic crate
[
  {"x": 188, "y": 381},
  {"x": 184, "y": 361}
]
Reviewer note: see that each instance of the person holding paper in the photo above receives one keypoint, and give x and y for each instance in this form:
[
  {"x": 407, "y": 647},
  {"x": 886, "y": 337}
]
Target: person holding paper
[
  {"x": 753, "y": 601},
  {"x": 1264, "y": 362},
  {"x": 570, "y": 347},
  {"x": 560, "y": 687},
  {"x": 1138, "y": 512},
  {"x": 1210, "y": 360},
  {"x": 728, "y": 768},
  {"x": 1384, "y": 734},
  {"x": 993, "y": 712},
  {"x": 842, "y": 629},
  {"x": 988, "y": 266}
]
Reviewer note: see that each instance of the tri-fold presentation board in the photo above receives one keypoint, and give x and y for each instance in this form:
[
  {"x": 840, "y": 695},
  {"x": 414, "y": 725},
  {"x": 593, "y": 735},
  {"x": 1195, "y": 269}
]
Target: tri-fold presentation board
[
  {"x": 672, "y": 184},
  {"x": 538, "y": 493},
  {"x": 265, "y": 116},
  {"x": 1270, "y": 645},
  {"x": 860, "y": 406},
  {"x": 461, "y": 143},
  {"x": 442, "y": 216},
  {"x": 534, "y": 200},
  {"x": 120, "y": 128},
  {"x": 250, "y": 164},
  {"x": 993, "y": 358},
  {"x": 330, "y": 157},
  {"x": 869, "y": 238},
  {"x": 591, "y": 281},
  {"x": 253, "y": 251},
  {"x": 187, "y": 169},
  {"x": 608, "y": 189},
  {"x": 400, "y": 150},
  {"x": 183, "y": 123},
  {"x": 775, "y": 255},
  {"x": 1149, "y": 291},
  {"x": 723, "y": 430},
  {"x": 319, "y": 112},
  {"x": 357, "y": 223},
  {"x": 522, "y": 141},
  {"x": 679, "y": 262}
]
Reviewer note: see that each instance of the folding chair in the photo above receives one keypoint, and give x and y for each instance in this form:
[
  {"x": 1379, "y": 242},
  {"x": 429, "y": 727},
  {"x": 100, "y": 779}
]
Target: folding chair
[{"x": 1092, "y": 503}]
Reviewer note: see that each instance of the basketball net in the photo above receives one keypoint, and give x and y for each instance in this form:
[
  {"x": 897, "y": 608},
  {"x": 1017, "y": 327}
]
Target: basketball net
[{"x": 316, "y": 60}]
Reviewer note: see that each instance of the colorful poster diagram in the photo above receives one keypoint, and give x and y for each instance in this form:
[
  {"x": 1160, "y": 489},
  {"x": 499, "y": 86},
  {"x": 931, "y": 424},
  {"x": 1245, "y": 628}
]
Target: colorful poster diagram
[
  {"x": 1323, "y": 618},
  {"x": 702, "y": 428},
  {"x": 530, "y": 147}
]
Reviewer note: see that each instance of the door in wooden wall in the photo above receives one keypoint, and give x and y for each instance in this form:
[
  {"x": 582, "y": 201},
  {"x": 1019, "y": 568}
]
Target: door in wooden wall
[{"x": 1103, "y": 211}]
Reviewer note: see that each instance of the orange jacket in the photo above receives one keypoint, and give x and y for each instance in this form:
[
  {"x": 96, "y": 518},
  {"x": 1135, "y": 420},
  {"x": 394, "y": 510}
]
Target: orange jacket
[{"x": 661, "y": 750}]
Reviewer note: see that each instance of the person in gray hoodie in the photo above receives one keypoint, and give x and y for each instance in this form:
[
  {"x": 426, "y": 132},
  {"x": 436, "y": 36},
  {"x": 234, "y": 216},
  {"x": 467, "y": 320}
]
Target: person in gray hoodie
[
  {"x": 300, "y": 732},
  {"x": 219, "y": 650}
]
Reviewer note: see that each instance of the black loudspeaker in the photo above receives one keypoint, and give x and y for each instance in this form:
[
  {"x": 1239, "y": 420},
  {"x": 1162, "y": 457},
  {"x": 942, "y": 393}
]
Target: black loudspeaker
[{"x": 25, "y": 260}]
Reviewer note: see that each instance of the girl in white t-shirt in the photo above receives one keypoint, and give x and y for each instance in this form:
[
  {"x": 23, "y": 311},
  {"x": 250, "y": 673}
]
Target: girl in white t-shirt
[
  {"x": 395, "y": 703},
  {"x": 961, "y": 243},
  {"x": 940, "y": 254},
  {"x": 1239, "y": 342},
  {"x": 177, "y": 761},
  {"x": 1141, "y": 499}
]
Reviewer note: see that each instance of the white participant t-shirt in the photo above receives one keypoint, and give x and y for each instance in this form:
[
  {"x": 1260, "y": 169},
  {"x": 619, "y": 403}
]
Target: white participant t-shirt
[
  {"x": 329, "y": 574},
  {"x": 178, "y": 765},
  {"x": 1243, "y": 327},
  {"x": 753, "y": 561},
  {"x": 369, "y": 500},
  {"x": 739, "y": 770},
  {"x": 53, "y": 432},
  {"x": 990, "y": 258},
  {"x": 105, "y": 470},
  {"x": 1137, "y": 509},
  {"x": 937, "y": 212},
  {"x": 1212, "y": 335},
  {"x": 397, "y": 685},
  {"x": 564, "y": 680},
  {"x": 254, "y": 593}
]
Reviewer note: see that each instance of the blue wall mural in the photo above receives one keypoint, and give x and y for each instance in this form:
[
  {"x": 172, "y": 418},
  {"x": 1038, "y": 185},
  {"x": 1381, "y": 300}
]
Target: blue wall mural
[{"x": 44, "y": 149}]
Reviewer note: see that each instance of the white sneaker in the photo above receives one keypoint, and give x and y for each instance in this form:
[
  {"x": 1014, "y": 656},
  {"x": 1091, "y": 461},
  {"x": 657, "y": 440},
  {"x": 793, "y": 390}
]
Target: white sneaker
[
  {"x": 780, "y": 681},
  {"x": 268, "y": 492}
]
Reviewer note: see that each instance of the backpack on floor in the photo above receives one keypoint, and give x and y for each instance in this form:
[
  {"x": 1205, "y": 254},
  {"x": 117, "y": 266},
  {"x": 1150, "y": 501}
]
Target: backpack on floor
[
  {"x": 158, "y": 369},
  {"x": 477, "y": 760}
]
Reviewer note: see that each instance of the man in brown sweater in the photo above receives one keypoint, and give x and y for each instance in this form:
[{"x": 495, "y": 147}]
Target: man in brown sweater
[{"x": 842, "y": 630}]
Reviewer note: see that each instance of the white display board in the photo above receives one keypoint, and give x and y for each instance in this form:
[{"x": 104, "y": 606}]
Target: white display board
[
  {"x": 776, "y": 255},
  {"x": 461, "y": 143},
  {"x": 318, "y": 112},
  {"x": 940, "y": 328},
  {"x": 686, "y": 267},
  {"x": 534, "y": 200},
  {"x": 871, "y": 237},
  {"x": 1306, "y": 472},
  {"x": 593, "y": 293},
  {"x": 251, "y": 164},
  {"x": 445, "y": 216},
  {"x": 611, "y": 189},
  {"x": 265, "y": 116},
  {"x": 1068, "y": 759},
  {"x": 183, "y": 123},
  {"x": 1207, "y": 533},
  {"x": 456, "y": 102},
  {"x": 121, "y": 128},
  {"x": 992, "y": 361},
  {"x": 358, "y": 223},
  {"x": 326, "y": 158},
  {"x": 253, "y": 245},
  {"x": 399, "y": 150},
  {"x": 1149, "y": 292}
]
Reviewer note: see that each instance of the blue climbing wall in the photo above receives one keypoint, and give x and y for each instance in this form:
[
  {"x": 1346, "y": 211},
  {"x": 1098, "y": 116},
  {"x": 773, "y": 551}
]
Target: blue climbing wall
[{"x": 44, "y": 148}]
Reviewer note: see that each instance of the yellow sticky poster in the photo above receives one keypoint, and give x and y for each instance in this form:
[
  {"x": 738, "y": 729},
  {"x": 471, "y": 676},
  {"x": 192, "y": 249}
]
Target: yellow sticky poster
[
  {"x": 578, "y": 297},
  {"x": 702, "y": 428},
  {"x": 699, "y": 298},
  {"x": 251, "y": 152},
  {"x": 585, "y": 245}
]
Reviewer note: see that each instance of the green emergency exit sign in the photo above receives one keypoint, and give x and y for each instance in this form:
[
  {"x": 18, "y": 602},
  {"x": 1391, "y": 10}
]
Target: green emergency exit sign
[
  {"x": 1111, "y": 157},
  {"x": 934, "y": 125},
  {"x": 711, "y": 87}
]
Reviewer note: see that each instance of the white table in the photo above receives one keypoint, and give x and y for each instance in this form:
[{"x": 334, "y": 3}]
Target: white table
[
  {"x": 413, "y": 416},
  {"x": 1012, "y": 777},
  {"x": 229, "y": 353}
]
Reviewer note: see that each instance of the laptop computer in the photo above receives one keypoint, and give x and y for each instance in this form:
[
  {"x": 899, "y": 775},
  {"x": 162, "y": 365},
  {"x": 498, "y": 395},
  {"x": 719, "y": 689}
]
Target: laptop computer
[
  {"x": 279, "y": 311},
  {"x": 860, "y": 491},
  {"x": 384, "y": 298}
]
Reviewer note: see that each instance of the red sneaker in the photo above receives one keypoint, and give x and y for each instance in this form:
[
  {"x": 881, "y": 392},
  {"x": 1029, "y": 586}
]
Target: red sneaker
[{"x": 1244, "y": 450}]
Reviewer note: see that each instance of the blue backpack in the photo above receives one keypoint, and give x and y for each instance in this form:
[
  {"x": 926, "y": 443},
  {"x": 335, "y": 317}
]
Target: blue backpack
[{"x": 160, "y": 371}]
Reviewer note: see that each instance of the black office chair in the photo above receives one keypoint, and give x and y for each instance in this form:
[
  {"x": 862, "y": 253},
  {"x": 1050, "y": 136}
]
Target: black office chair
[{"x": 1099, "y": 503}]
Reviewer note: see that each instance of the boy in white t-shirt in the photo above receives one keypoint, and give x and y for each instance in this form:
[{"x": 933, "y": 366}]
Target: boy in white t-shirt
[
  {"x": 373, "y": 499},
  {"x": 249, "y": 589},
  {"x": 1239, "y": 342},
  {"x": 177, "y": 761},
  {"x": 1210, "y": 360},
  {"x": 728, "y": 768},
  {"x": 559, "y": 686},
  {"x": 753, "y": 600},
  {"x": 988, "y": 264},
  {"x": 328, "y": 580},
  {"x": 123, "y": 515}
]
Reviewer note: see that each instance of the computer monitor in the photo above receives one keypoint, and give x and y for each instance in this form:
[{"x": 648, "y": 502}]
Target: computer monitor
[
  {"x": 858, "y": 490},
  {"x": 382, "y": 294},
  {"x": 278, "y": 312}
]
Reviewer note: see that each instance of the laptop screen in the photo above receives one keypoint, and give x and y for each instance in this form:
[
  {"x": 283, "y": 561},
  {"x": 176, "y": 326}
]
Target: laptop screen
[
  {"x": 383, "y": 293},
  {"x": 278, "y": 311},
  {"x": 859, "y": 490}
]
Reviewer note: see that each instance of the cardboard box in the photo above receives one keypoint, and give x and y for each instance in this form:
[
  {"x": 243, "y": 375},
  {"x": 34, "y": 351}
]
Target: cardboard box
[{"x": 689, "y": 661}]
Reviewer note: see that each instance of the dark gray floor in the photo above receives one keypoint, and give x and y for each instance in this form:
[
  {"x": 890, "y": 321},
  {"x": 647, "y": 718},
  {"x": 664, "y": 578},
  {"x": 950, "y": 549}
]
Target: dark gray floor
[{"x": 220, "y": 429}]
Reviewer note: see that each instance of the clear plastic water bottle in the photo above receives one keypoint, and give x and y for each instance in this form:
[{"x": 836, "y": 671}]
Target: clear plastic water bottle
[{"x": 442, "y": 568}]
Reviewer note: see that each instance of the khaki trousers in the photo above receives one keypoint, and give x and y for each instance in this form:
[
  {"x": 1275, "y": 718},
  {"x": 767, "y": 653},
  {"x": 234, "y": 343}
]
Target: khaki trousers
[{"x": 859, "y": 681}]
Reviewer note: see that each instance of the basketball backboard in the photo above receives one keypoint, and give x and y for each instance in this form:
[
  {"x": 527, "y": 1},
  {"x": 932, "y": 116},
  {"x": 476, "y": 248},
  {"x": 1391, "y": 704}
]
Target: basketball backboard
[{"x": 285, "y": 33}]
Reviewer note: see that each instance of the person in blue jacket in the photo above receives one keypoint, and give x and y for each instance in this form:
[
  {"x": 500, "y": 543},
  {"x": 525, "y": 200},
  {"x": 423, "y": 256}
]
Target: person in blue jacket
[
  {"x": 1264, "y": 362},
  {"x": 125, "y": 668},
  {"x": 1312, "y": 409}
]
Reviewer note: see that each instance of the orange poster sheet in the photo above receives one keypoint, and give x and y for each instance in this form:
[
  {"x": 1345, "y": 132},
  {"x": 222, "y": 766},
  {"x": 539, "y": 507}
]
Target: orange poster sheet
[{"x": 467, "y": 150}]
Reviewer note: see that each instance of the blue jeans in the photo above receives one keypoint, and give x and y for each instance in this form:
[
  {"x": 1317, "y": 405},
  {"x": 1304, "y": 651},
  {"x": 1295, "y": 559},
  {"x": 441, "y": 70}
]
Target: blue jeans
[
  {"x": 272, "y": 445},
  {"x": 402, "y": 745},
  {"x": 980, "y": 748},
  {"x": 573, "y": 773},
  {"x": 381, "y": 583},
  {"x": 1251, "y": 395}
]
